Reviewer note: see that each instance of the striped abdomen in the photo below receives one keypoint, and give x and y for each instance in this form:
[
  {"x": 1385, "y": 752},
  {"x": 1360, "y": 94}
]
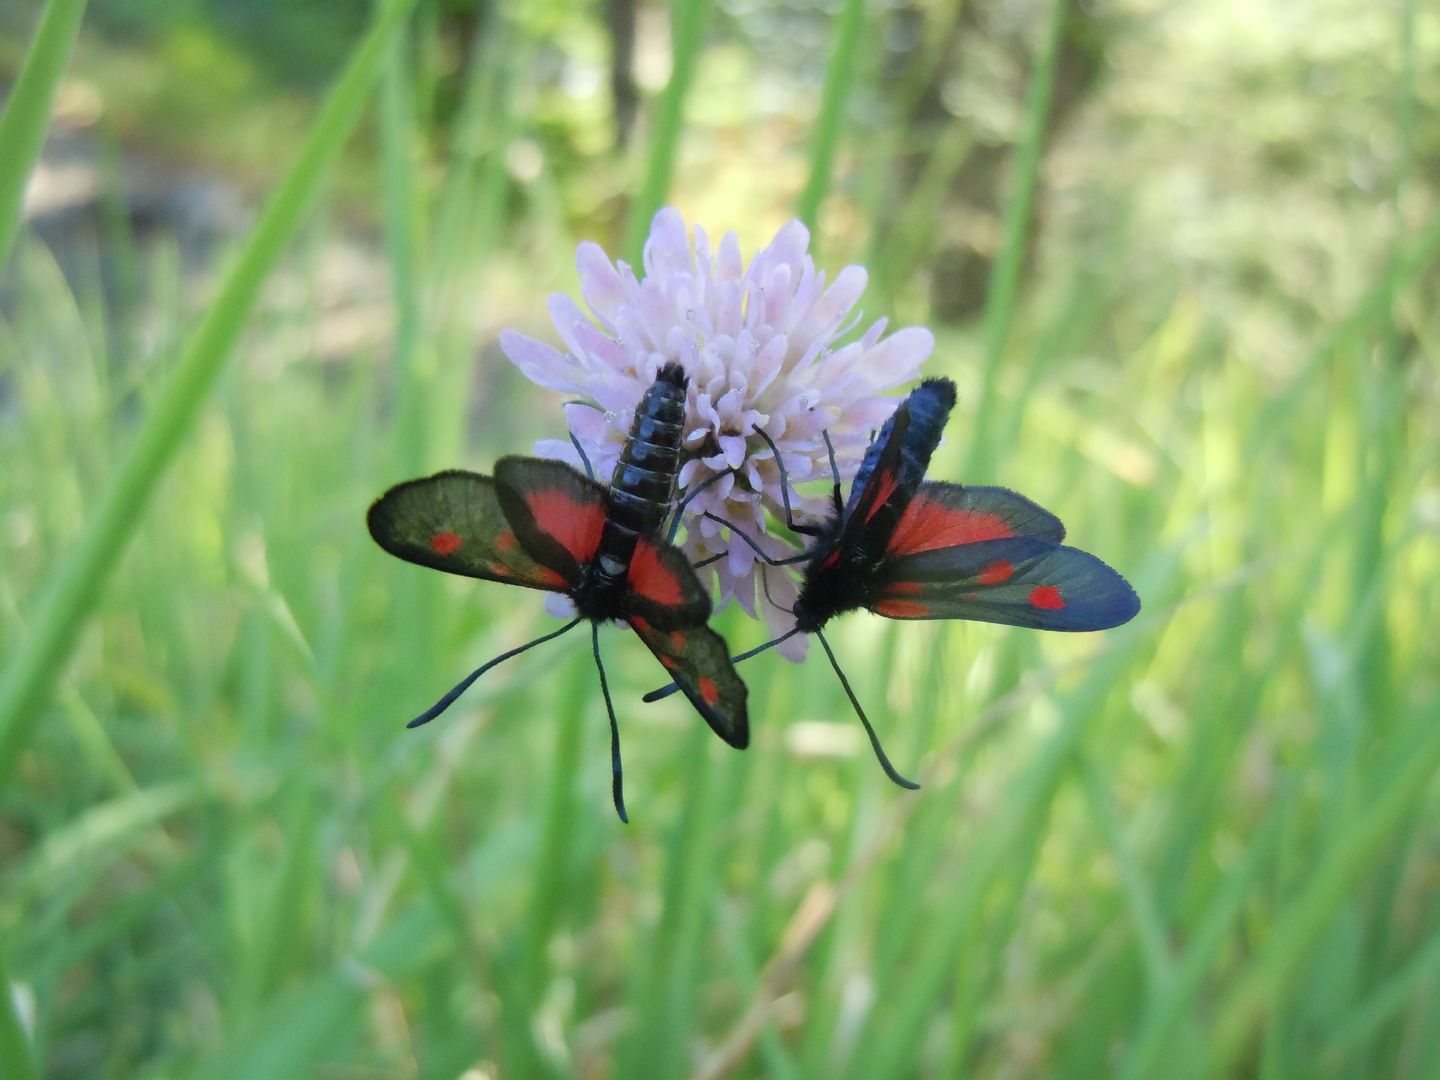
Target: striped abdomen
[{"x": 643, "y": 483}]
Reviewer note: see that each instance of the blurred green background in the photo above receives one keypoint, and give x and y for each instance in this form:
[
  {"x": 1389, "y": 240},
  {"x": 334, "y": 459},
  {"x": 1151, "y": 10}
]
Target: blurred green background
[{"x": 1181, "y": 260}]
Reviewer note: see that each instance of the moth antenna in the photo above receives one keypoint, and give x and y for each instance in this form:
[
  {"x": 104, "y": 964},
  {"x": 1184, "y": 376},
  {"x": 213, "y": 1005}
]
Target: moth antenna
[
  {"x": 617, "y": 785},
  {"x": 670, "y": 688},
  {"x": 706, "y": 562},
  {"x": 874, "y": 739},
  {"x": 690, "y": 494},
  {"x": 464, "y": 684},
  {"x": 835, "y": 471},
  {"x": 760, "y": 554}
]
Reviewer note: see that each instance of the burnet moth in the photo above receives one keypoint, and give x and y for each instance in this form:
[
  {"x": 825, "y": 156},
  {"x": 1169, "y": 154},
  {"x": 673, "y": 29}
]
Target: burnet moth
[
  {"x": 909, "y": 548},
  {"x": 544, "y": 525}
]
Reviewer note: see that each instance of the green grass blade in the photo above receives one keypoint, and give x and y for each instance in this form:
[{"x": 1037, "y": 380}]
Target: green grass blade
[
  {"x": 999, "y": 313},
  {"x": 689, "y": 20},
  {"x": 1260, "y": 986},
  {"x": 80, "y": 579},
  {"x": 840, "y": 76},
  {"x": 27, "y": 113}
]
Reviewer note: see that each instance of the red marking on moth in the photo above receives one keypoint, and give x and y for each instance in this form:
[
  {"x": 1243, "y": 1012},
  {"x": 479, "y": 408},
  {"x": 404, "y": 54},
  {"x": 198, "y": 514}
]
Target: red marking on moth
[
  {"x": 708, "y": 690},
  {"x": 905, "y": 588},
  {"x": 496, "y": 568},
  {"x": 677, "y": 640},
  {"x": 576, "y": 526},
  {"x": 997, "y": 572},
  {"x": 641, "y": 626},
  {"x": 885, "y": 488},
  {"x": 445, "y": 543},
  {"x": 901, "y": 609},
  {"x": 928, "y": 524},
  {"x": 830, "y": 560},
  {"x": 670, "y": 662},
  {"x": 505, "y": 541},
  {"x": 1047, "y": 597},
  {"x": 652, "y": 579},
  {"x": 549, "y": 579}
]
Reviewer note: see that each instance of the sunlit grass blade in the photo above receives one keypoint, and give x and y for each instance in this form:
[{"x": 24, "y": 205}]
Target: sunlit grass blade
[
  {"x": 79, "y": 581},
  {"x": 840, "y": 75},
  {"x": 1261, "y": 985},
  {"x": 27, "y": 112},
  {"x": 689, "y": 19},
  {"x": 17, "y": 1060},
  {"x": 1004, "y": 287}
]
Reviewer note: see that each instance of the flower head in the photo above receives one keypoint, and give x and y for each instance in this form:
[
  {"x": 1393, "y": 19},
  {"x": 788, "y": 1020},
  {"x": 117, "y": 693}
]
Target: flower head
[{"x": 759, "y": 345}]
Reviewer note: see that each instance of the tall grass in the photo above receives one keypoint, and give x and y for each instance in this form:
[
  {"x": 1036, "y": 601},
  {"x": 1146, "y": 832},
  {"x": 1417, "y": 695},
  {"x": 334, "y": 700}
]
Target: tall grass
[{"x": 1200, "y": 845}]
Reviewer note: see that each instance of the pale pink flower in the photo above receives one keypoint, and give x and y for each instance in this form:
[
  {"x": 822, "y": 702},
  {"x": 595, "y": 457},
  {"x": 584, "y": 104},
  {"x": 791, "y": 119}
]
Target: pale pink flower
[{"x": 760, "y": 345}]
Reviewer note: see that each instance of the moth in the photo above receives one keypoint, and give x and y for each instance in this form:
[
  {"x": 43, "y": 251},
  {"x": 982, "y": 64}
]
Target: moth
[
  {"x": 542, "y": 524},
  {"x": 909, "y": 548}
]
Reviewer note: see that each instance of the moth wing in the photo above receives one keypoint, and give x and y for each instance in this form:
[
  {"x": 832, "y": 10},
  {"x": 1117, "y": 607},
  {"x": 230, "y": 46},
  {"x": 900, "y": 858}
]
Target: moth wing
[
  {"x": 1018, "y": 581},
  {"x": 877, "y": 478},
  {"x": 453, "y": 521},
  {"x": 556, "y": 512},
  {"x": 664, "y": 588},
  {"x": 698, "y": 660},
  {"x": 947, "y": 515}
]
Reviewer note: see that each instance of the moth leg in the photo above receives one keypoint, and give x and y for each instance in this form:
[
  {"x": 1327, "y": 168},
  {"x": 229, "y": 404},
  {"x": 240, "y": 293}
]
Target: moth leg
[
  {"x": 690, "y": 494},
  {"x": 584, "y": 458},
  {"x": 759, "y": 554},
  {"x": 803, "y": 530}
]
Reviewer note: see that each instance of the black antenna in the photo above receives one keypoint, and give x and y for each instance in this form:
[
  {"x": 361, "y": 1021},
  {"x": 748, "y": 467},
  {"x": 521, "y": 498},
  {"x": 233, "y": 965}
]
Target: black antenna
[
  {"x": 670, "y": 688},
  {"x": 874, "y": 739},
  {"x": 617, "y": 785},
  {"x": 464, "y": 684}
]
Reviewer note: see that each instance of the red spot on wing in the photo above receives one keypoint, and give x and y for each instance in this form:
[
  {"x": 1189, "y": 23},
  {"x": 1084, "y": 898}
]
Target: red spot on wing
[
  {"x": 575, "y": 525},
  {"x": 445, "y": 543},
  {"x": 904, "y": 588},
  {"x": 550, "y": 579},
  {"x": 652, "y": 579},
  {"x": 928, "y": 524},
  {"x": 677, "y": 640},
  {"x": 1047, "y": 597},
  {"x": 670, "y": 662},
  {"x": 640, "y": 625},
  {"x": 830, "y": 560},
  {"x": 505, "y": 541},
  {"x": 997, "y": 572},
  {"x": 708, "y": 690},
  {"x": 901, "y": 609}
]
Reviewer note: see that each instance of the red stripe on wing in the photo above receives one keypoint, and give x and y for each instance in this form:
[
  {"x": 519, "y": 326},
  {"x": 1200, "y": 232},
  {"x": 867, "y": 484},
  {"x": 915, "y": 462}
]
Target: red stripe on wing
[
  {"x": 928, "y": 524},
  {"x": 574, "y": 525},
  {"x": 652, "y": 579}
]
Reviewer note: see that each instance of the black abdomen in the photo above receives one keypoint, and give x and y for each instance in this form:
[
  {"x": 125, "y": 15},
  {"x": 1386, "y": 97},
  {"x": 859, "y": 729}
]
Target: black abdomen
[{"x": 643, "y": 483}]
